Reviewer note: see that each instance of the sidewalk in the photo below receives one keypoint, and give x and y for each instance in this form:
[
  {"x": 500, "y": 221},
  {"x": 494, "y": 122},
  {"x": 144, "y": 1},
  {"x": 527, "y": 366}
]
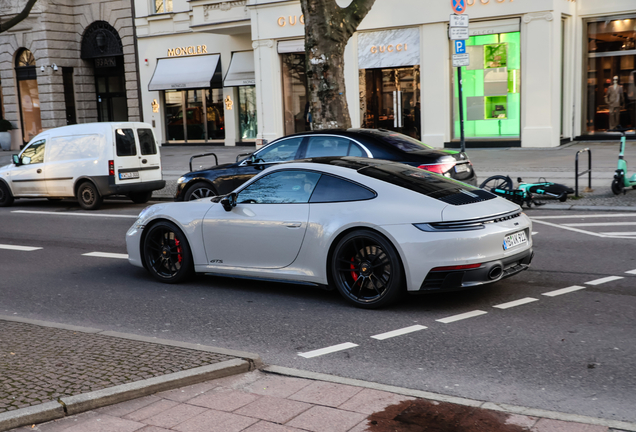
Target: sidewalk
[{"x": 60, "y": 378}]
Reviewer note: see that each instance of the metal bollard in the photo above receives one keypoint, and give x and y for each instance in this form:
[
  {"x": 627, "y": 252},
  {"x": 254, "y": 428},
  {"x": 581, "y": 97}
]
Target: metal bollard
[{"x": 588, "y": 172}]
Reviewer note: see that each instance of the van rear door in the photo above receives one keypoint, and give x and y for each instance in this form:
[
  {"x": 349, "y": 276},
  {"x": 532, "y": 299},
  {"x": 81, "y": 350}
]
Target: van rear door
[
  {"x": 150, "y": 167},
  {"x": 127, "y": 158}
]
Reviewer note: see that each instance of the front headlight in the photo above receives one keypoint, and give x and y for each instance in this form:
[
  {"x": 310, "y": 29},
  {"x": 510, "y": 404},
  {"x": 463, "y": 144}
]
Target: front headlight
[
  {"x": 139, "y": 223},
  {"x": 180, "y": 180}
]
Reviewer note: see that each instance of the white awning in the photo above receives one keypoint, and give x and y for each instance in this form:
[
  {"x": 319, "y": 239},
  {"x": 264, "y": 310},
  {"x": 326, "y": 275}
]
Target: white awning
[
  {"x": 291, "y": 46},
  {"x": 179, "y": 73},
  {"x": 241, "y": 70}
]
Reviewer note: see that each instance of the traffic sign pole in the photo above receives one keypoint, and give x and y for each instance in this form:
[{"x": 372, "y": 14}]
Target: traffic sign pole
[
  {"x": 462, "y": 141},
  {"x": 458, "y": 33}
]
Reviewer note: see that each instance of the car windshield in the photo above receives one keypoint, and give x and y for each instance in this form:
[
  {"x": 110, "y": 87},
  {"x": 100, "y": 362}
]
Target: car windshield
[
  {"x": 426, "y": 183},
  {"x": 399, "y": 141}
]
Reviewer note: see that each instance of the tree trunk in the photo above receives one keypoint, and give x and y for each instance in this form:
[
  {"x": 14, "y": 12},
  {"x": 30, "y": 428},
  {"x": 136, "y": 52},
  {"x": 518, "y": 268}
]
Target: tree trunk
[
  {"x": 328, "y": 28},
  {"x": 18, "y": 18}
]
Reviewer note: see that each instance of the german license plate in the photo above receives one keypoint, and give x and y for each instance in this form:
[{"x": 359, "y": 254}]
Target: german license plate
[
  {"x": 461, "y": 168},
  {"x": 128, "y": 175},
  {"x": 515, "y": 239}
]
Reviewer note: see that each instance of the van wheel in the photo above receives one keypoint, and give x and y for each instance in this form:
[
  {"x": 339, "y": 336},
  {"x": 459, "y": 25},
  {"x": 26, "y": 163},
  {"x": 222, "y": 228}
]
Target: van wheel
[
  {"x": 6, "y": 199},
  {"x": 88, "y": 196},
  {"x": 140, "y": 197}
]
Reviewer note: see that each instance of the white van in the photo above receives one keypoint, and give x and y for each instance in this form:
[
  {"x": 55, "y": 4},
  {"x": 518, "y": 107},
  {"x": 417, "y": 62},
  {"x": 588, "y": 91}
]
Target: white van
[{"x": 88, "y": 162}]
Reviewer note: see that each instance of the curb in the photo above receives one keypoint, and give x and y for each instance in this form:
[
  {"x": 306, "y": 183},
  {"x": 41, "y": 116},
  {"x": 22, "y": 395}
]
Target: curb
[
  {"x": 505, "y": 408},
  {"x": 71, "y": 405}
]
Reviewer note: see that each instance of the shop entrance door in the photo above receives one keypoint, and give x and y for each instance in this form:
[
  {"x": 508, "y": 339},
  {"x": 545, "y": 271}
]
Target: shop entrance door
[
  {"x": 110, "y": 85},
  {"x": 390, "y": 99}
]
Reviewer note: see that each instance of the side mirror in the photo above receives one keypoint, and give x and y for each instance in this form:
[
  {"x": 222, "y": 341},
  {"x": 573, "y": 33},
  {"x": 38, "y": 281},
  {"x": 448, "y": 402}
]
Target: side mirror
[
  {"x": 16, "y": 159},
  {"x": 229, "y": 202}
]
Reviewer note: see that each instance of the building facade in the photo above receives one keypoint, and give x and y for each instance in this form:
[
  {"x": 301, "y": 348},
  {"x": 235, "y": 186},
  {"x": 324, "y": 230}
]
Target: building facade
[{"x": 68, "y": 62}]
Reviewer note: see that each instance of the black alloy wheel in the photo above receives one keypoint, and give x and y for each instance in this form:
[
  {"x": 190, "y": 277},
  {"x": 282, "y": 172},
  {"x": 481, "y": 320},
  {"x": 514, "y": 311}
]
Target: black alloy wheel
[
  {"x": 497, "y": 182},
  {"x": 366, "y": 269},
  {"x": 199, "y": 190},
  {"x": 88, "y": 196},
  {"x": 140, "y": 197},
  {"x": 6, "y": 199},
  {"x": 166, "y": 253}
]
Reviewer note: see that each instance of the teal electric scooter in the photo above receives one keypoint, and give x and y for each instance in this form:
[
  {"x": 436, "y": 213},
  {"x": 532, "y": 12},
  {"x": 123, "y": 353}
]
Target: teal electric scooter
[{"x": 621, "y": 181}]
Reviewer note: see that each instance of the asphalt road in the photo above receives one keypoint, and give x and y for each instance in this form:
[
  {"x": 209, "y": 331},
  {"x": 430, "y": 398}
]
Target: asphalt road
[{"x": 567, "y": 351}]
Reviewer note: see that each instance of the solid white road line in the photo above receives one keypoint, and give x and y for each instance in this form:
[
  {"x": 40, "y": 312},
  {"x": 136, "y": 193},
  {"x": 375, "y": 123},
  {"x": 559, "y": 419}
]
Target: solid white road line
[
  {"x": 328, "y": 350},
  {"x": 631, "y": 272},
  {"x": 600, "y": 224},
  {"x": 578, "y": 230},
  {"x": 459, "y": 317},
  {"x": 399, "y": 332},
  {"x": 563, "y": 291},
  {"x": 106, "y": 215},
  {"x": 619, "y": 233},
  {"x": 106, "y": 255},
  {"x": 19, "y": 248},
  {"x": 516, "y": 303},
  {"x": 616, "y": 215},
  {"x": 603, "y": 280}
]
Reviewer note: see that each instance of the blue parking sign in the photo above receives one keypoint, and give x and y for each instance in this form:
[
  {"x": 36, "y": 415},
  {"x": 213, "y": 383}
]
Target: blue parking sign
[{"x": 460, "y": 46}]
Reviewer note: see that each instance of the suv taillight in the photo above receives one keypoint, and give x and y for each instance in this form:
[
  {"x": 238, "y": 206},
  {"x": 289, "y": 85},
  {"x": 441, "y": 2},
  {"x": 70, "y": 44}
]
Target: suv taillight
[
  {"x": 438, "y": 168},
  {"x": 111, "y": 168}
]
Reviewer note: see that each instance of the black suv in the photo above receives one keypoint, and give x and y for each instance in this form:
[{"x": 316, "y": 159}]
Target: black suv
[{"x": 371, "y": 143}]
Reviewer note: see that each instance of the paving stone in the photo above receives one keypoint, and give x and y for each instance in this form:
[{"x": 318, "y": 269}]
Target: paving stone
[
  {"x": 105, "y": 424},
  {"x": 325, "y": 393},
  {"x": 370, "y": 401},
  {"x": 216, "y": 421},
  {"x": 274, "y": 409},
  {"x": 321, "y": 419},
  {"x": 277, "y": 385},
  {"x": 223, "y": 399},
  {"x": 174, "y": 416},
  {"x": 264, "y": 426},
  {"x": 124, "y": 408},
  {"x": 547, "y": 425},
  {"x": 186, "y": 393},
  {"x": 151, "y": 410}
]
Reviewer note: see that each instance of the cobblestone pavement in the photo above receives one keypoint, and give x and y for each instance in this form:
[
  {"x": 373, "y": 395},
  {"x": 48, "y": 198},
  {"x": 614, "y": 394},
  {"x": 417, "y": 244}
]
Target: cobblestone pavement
[{"x": 39, "y": 364}]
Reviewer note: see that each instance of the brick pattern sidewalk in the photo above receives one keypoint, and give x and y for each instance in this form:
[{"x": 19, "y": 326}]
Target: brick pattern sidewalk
[{"x": 39, "y": 364}]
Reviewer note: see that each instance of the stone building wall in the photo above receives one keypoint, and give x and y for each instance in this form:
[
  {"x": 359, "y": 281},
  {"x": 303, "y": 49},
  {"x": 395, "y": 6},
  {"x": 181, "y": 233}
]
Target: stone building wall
[{"x": 53, "y": 33}]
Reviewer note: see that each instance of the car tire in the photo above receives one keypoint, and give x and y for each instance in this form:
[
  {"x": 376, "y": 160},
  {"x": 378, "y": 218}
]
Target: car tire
[
  {"x": 140, "y": 197},
  {"x": 6, "y": 199},
  {"x": 366, "y": 270},
  {"x": 497, "y": 182},
  {"x": 88, "y": 196},
  {"x": 199, "y": 190},
  {"x": 166, "y": 253}
]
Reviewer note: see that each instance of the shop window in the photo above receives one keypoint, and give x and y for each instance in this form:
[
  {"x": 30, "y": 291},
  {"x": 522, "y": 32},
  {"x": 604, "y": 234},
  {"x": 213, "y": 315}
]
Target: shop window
[
  {"x": 203, "y": 119},
  {"x": 491, "y": 87},
  {"x": 163, "y": 6},
  {"x": 295, "y": 96},
  {"x": 28, "y": 95},
  {"x": 247, "y": 112},
  {"x": 611, "y": 70}
]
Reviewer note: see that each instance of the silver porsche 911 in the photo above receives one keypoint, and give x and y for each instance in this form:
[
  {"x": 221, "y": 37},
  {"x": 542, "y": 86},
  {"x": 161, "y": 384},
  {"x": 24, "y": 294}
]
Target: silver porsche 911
[{"x": 372, "y": 229}]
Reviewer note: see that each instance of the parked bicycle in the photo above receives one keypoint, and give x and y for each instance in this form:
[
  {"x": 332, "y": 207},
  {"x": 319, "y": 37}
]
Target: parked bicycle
[{"x": 525, "y": 193}]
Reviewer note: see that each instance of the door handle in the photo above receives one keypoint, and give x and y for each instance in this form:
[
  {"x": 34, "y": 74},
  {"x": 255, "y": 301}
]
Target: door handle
[
  {"x": 293, "y": 224},
  {"x": 143, "y": 161},
  {"x": 39, "y": 171}
]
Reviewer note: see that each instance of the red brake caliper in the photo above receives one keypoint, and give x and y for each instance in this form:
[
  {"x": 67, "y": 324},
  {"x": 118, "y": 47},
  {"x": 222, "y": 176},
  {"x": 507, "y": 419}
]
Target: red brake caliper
[
  {"x": 354, "y": 275},
  {"x": 178, "y": 244}
]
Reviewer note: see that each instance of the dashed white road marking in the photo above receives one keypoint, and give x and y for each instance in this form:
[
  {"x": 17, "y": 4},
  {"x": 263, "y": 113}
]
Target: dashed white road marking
[
  {"x": 399, "y": 332},
  {"x": 600, "y": 224},
  {"x": 328, "y": 350},
  {"x": 106, "y": 215},
  {"x": 19, "y": 248},
  {"x": 106, "y": 255},
  {"x": 516, "y": 303},
  {"x": 463, "y": 316},
  {"x": 627, "y": 233},
  {"x": 569, "y": 228},
  {"x": 534, "y": 233},
  {"x": 631, "y": 272},
  {"x": 603, "y": 280},
  {"x": 563, "y": 291},
  {"x": 614, "y": 215}
]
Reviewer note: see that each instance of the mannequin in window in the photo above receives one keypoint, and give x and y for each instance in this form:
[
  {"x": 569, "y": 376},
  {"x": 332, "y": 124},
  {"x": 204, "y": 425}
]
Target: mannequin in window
[{"x": 614, "y": 99}]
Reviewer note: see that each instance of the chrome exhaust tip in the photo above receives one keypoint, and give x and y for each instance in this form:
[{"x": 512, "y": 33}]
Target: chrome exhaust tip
[{"x": 495, "y": 272}]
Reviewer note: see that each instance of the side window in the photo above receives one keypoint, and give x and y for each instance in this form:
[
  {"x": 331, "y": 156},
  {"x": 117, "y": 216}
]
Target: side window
[
  {"x": 146, "y": 142},
  {"x": 334, "y": 189},
  {"x": 356, "y": 150},
  {"x": 281, "y": 151},
  {"x": 162, "y": 6},
  {"x": 281, "y": 187},
  {"x": 125, "y": 142},
  {"x": 33, "y": 154},
  {"x": 327, "y": 146}
]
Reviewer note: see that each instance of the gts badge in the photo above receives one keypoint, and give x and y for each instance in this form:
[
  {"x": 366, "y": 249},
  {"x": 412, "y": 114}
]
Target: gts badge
[{"x": 216, "y": 261}]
